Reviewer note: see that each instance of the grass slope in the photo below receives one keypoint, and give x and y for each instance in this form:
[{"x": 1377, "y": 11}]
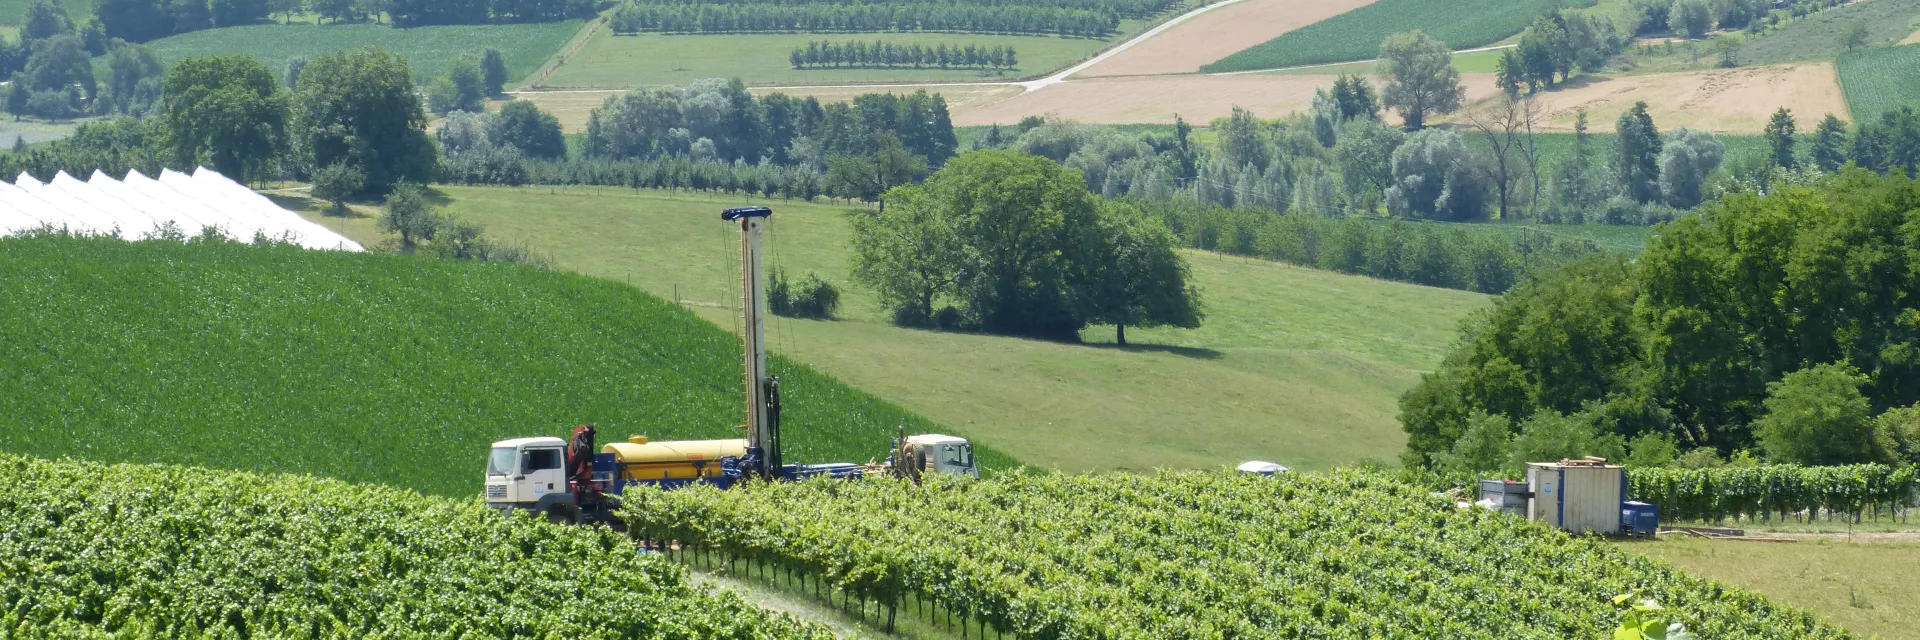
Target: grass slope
[
  {"x": 1356, "y": 34},
  {"x": 12, "y": 12},
  {"x": 1880, "y": 79},
  {"x": 1820, "y": 36},
  {"x": 372, "y": 368},
  {"x": 427, "y": 49},
  {"x": 1863, "y": 584},
  {"x": 153, "y": 551},
  {"x": 1292, "y": 364},
  {"x": 677, "y": 59}
]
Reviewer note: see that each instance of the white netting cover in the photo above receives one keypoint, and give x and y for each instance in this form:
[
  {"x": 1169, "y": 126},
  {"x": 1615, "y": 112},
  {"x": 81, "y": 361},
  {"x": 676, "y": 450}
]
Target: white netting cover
[{"x": 141, "y": 207}]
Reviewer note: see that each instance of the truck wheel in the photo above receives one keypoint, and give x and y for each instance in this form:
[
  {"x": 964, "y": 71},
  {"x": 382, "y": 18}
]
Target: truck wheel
[{"x": 563, "y": 514}]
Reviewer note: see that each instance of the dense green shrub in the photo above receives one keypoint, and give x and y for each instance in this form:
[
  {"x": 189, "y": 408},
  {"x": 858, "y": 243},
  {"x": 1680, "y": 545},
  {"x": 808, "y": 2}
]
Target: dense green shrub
[{"x": 810, "y": 298}]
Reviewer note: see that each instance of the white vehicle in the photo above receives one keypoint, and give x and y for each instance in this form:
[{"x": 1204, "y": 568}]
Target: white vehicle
[
  {"x": 934, "y": 453},
  {"x": 1261, "y": 468}
]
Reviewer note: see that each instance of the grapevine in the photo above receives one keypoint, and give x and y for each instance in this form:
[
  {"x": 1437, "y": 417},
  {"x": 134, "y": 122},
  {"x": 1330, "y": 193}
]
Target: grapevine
[
  {"x": 1198, "y": 554},
  {"x": 138, "y": 551}
]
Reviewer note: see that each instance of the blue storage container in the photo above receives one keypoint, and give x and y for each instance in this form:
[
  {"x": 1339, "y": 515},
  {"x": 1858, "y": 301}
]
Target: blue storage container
[{"x": 1639, "y": 518}]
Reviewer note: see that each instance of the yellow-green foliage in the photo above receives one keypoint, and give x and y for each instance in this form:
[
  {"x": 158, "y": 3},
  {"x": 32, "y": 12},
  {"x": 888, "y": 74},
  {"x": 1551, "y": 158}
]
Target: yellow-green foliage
[
  {"x": 1202, "y": 554},
  {"x": 153, "y": 551}
]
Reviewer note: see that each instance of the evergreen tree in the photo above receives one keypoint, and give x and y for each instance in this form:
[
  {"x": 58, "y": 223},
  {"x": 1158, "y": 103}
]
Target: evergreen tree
[
  {"x": 1639, "y": 160},
  {"x": 1829, "y": 140},
  {"x": 1355, "y": 97},
  {"x": 1780, "y": 137},
  {"x": 493, "y": 71}
]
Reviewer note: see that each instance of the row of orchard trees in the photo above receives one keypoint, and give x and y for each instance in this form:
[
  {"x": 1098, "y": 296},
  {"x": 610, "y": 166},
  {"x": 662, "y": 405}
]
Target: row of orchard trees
[
  {"x": 857, "y": 53},
  {"x": 634, "y": 17}
]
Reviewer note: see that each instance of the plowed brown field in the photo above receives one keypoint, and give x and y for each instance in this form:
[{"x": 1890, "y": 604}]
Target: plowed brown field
[
  {"x": 1217, "y": 34},
  {"x": 1156, "y": 99},
  {"x": 1722, "y": 101}
]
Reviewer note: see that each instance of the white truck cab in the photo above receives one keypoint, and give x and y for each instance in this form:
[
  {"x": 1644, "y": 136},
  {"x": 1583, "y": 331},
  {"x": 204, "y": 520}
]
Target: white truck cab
[
  {"x": 935, "y": 453},
  {"x": 522, "y": 471}
]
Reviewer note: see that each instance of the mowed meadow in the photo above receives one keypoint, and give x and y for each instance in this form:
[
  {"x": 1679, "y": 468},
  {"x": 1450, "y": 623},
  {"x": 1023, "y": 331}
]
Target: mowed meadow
[
  {"x": 1292, "y": 364},
  {"x": 427, "y": 49},
  {"x": 369, "y": 368}
]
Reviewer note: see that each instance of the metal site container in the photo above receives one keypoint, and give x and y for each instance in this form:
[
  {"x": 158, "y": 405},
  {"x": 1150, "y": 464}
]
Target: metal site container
[{"x": 1579, "y": 497}]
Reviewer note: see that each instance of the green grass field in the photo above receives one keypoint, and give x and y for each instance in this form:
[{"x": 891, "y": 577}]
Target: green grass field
[
  {"x": 1356, "y": 34},
  {"x": 1880, "y": 79},
  {"x": 1819, "y": 36},
  {"x": 12, "y": 11},
  {"x": 1475, "y": 62},
  {"x": 661, "y": 59},
  {"x": 368, "y": 368},
  {"x": 428, "y": 49},
  {"x": 1300, "y": 366},
  {"x": 1864, "y": 585}
]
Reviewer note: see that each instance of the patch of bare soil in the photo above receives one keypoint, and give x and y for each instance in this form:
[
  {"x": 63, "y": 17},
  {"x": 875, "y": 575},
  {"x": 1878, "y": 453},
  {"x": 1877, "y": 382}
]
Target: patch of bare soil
[
  {"x": 1217, "y": 34},
  {"x": 1722, "y": 100},
  {"x": 1157, "y": 99}
]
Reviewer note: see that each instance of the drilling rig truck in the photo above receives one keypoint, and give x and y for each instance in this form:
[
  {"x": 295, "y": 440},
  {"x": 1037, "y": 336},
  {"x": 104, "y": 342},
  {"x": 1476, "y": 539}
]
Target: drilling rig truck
[{"x": 567, "y": 481}]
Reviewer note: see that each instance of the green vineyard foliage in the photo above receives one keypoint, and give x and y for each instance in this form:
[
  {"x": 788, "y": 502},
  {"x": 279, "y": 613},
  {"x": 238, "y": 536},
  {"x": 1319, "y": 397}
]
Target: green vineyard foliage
[
  {"x": 1772, "y": 491},
  {"x": 366, "y": 367},
  {"x": 89, "y": 550},
  {"x": 1350, "y": 554}
]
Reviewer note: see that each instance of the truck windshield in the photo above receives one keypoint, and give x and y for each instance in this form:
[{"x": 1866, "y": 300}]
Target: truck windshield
[{"x": 500, "y": 462}]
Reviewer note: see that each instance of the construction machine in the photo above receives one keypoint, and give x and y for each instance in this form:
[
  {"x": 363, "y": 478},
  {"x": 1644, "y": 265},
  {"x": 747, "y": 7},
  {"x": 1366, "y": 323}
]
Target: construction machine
[{"x": 569, "y": 482}]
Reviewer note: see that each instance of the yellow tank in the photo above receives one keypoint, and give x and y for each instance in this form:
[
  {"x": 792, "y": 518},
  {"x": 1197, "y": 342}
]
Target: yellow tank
[{"x": 645, "y": 460}]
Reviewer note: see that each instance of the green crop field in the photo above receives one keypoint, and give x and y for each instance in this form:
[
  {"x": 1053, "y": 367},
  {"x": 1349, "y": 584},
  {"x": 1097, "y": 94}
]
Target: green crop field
[
  {"x": 1862, "y": 583},
  {"x": 154, "y": 551},
  {"x": 1296, "y": 365},
  {"x": 1879, "y": 79},
  {"x": 428, "y": 49},
  {"x": 1202, "y": 554},
  {"x": 1356, "y": 34},
  {"x": 661, "y": 59},
  {"x": 11, "y": 11},
  {"x": 1820, "y": 36},
  {"x": 375, "y": 368},
  {"x": 1474, "y": 62}
]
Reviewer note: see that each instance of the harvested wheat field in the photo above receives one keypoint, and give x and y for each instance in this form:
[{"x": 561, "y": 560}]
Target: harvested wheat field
[
  {"x": 573, "y": 107},
  {"x": 1217, "y": 34},
  {"x": 959, "y": 97},
  {"x": 1913, "y": 38},
  {"x": 1156, "y": 99},
  {"x": 1722, "y": 100}
]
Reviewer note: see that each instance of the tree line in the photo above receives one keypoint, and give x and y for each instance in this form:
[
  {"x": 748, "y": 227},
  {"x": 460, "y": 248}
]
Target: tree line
[
  {"x": 1775, "y": 326},
  {"x": 635, "y": 17},
  {"x": 1554, "y": 45},
  {"x": 864, "y": 147},
  {"x": 1486, "y": 260},
  {"x": 857, "y": 53}
]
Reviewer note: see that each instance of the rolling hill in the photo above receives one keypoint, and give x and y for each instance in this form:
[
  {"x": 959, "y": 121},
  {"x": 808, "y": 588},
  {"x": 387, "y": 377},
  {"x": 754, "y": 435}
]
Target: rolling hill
[
  {"x": 367, "y": 368},
  {"x": 1292, "y": 364}
]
